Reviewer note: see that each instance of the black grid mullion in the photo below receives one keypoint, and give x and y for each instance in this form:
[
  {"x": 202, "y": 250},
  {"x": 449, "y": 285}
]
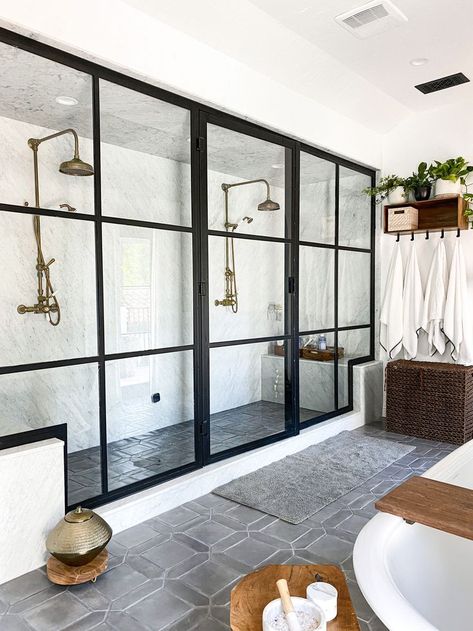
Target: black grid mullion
[
  {"x": 99, "y": 285},
  {"x": 335, "y": 289}
]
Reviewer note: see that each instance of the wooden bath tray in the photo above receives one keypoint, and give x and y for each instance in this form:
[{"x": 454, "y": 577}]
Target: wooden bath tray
[
  {"x": 251, "y": 595},
  {"x": 436, "y": 504},
  {"x": 321, "y": 356}
]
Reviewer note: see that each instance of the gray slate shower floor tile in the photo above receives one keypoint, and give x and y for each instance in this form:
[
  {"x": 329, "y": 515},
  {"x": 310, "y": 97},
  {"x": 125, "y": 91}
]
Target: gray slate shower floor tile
[{"x": 175, "y": 571}]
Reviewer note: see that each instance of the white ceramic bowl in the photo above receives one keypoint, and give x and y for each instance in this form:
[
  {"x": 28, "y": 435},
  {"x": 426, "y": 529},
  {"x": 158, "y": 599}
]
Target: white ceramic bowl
[
  {"x": 325, "y": 596},
  {"x": 274, "y": 608}
]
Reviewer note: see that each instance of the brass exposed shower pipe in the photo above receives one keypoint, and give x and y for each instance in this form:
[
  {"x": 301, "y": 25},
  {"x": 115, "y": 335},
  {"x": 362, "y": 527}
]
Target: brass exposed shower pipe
[
  {"x": 230, "y": 298},
  {"x": 47, "y": 302}
]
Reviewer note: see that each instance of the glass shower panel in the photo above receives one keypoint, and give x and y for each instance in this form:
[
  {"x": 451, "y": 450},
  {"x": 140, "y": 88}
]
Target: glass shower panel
[
  {"x": 317, "y": 199},
  {"x": 236, "y": 202},
  {"x": 247, "y": 394},
  {"x": 147, "y": 287},
  {"x": 256, "y": 308},
  {"x": 355, "y": 344},
  {"x": 41, "y": 98},
  {"x": 145, "y": 154},
  {"x": 355, "y": 209},
  {"x": 29, "y": 337},
  {"x": 354, "y": 288},
  {"x": 316, "y": 377},
  {"x": 316, "y": 288},
  {"x": 150, "y": 416},
  {"x": 41, "y": 398}
]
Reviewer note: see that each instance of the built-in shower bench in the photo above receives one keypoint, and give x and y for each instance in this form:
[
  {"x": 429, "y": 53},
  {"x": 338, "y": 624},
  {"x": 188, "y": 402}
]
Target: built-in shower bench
[{"x": 435, "y": 504}]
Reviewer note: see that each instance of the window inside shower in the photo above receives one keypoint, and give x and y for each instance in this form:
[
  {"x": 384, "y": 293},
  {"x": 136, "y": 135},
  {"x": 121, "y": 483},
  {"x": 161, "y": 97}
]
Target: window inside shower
[{"x": 195, "y": 270}]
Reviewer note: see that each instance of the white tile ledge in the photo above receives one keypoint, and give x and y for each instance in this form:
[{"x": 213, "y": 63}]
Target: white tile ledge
[{"x": 50, "y": 444}]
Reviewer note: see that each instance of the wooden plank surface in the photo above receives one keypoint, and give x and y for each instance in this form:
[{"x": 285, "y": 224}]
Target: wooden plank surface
[
  {"x": 62, "y": 574},
  {"x": 436, "y": 504},
  {"x": 256, "y": 590}
]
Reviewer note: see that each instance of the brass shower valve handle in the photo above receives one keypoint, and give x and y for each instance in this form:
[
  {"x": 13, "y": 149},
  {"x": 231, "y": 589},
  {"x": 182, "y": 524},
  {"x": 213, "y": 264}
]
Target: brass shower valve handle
[
  {"x": 226, "y": 302},
  {"x": 41, "y": 308}
]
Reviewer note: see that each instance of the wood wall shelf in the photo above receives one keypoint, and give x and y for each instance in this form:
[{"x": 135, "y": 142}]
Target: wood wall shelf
[
  {"x": 436, "y": 504},
  {"x": 435, "y": 215}
]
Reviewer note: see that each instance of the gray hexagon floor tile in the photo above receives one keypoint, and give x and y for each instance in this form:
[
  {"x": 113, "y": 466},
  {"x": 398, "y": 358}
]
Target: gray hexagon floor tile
[
  {"x": 209, "y": 578},
  {"x": 251, "y": 552},
  {"x": 209, "y": 532},
  {"x": 56, "y": 613},
  {"x": 169, "y": 554},
  {"x": 175, "y": 571},
  {"x": 157, "y": 611}
]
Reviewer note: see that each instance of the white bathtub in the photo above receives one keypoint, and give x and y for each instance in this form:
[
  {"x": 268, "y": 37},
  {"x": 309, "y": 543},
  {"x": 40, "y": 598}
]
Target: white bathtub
[{"x": 416, "y": 578}]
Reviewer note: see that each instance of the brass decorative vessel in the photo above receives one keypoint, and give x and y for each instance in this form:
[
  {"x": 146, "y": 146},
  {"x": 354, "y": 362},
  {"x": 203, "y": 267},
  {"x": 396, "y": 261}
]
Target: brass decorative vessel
[{"x": 79, "y": 537}]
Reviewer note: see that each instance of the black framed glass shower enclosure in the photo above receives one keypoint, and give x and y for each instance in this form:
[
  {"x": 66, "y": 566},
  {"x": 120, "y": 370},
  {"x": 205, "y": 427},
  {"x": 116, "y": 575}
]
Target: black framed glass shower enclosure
[{"x": 194, "y": 271}]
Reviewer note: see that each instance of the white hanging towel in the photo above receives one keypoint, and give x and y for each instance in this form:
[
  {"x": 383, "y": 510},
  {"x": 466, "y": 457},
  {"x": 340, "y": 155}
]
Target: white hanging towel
[
  {"x": 390, "y": 336},
  {"x": 434, "y": 301},
  {"x": 412, "y": 305},
  {"x": 458, "y": 325}
]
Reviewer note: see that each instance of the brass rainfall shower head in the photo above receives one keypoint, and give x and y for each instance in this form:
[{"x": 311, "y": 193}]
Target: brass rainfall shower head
[
  {"x": 76, "y": 166},
  {"x": 268, "y": 204}
]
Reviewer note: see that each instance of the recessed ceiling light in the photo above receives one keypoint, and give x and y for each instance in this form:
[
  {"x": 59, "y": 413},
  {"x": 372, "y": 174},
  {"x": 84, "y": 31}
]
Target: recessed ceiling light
[
  {"x": 66, "y": 100},
  {"x": 277, "y": 166},
  {"x": 419, "y": 61}
]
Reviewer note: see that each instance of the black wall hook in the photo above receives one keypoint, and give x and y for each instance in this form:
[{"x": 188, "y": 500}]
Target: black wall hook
[
  {"x": 398, "y": 237},
  {"x": 412, "y": 236},
  {"x": 443, "y": 234},
  {"x": 426, "y": 234},
  {"x": 458, "y": 232}
]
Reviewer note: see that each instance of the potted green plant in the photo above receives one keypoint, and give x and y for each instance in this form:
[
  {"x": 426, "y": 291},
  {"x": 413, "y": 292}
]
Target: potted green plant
[
  {"x": 420, "y": 183},
  {"x": 450, "y": 176},
  {"x": 391, "y": 186}
]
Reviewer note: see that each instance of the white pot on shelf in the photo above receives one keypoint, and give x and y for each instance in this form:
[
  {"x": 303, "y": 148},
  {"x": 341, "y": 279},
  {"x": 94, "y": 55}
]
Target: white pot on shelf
[
  {"x": 397, "y": 195},
  {"x": 446, "y": 188}
]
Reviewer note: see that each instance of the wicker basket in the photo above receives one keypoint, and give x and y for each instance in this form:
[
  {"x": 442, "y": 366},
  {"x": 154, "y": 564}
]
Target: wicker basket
[
  {"x": 402, "y": 218},
  {"x": 430, "y": 400}
]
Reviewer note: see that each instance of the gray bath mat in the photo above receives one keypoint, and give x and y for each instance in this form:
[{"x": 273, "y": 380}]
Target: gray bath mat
[{"x": 298, "y": 486}]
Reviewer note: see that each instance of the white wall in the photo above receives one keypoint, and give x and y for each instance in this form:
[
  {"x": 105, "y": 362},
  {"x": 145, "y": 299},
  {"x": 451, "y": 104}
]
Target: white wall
[
  {"x": 428, "y": 136},
  {"x": 119, "y": 36}
]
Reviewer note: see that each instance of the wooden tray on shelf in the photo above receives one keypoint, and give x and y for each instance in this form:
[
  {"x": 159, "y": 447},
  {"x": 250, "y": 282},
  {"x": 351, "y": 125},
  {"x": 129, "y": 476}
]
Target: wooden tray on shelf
[{"x": 322, "y": 356}]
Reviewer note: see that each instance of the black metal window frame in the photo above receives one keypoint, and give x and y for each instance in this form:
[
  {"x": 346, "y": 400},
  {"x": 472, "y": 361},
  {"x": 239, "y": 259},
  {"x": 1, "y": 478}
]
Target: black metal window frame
[{"x": 200, "y": 116}]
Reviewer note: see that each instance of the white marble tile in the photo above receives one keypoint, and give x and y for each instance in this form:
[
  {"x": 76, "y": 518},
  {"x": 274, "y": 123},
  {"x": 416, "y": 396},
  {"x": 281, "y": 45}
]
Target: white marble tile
[
  {"x": 32, "y": 500},
  {"x": 42, "y": 398},
  {"x": 130, "y": 384}
]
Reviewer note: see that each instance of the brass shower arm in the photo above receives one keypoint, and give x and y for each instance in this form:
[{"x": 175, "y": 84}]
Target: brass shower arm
[
  {"x": 225, "y": 187},
  {"x": 34, "y": 143}
]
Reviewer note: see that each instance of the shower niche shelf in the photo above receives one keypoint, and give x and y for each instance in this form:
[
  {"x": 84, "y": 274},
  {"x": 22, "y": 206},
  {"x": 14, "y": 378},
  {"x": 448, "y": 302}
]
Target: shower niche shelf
[{"x": 435, "y": 215}]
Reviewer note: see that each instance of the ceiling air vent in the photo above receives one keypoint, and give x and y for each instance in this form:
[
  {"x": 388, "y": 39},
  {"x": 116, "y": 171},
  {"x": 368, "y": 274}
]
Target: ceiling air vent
[
  {"x": 442, "y": 83},
  {"x": 371, "y": 18}
]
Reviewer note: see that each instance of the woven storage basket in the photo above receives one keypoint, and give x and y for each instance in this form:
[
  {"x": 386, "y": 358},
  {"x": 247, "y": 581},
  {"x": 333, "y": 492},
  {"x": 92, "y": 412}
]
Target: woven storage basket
[
  {"x": 405, "y": 218},
  {"x": 430, "y": 400}
]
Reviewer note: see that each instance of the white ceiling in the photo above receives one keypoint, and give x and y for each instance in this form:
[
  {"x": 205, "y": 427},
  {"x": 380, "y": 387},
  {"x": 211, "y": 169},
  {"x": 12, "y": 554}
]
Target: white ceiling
[
  {"x": 436, "y": 29},
  {"x": 299, "y": 44}
]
